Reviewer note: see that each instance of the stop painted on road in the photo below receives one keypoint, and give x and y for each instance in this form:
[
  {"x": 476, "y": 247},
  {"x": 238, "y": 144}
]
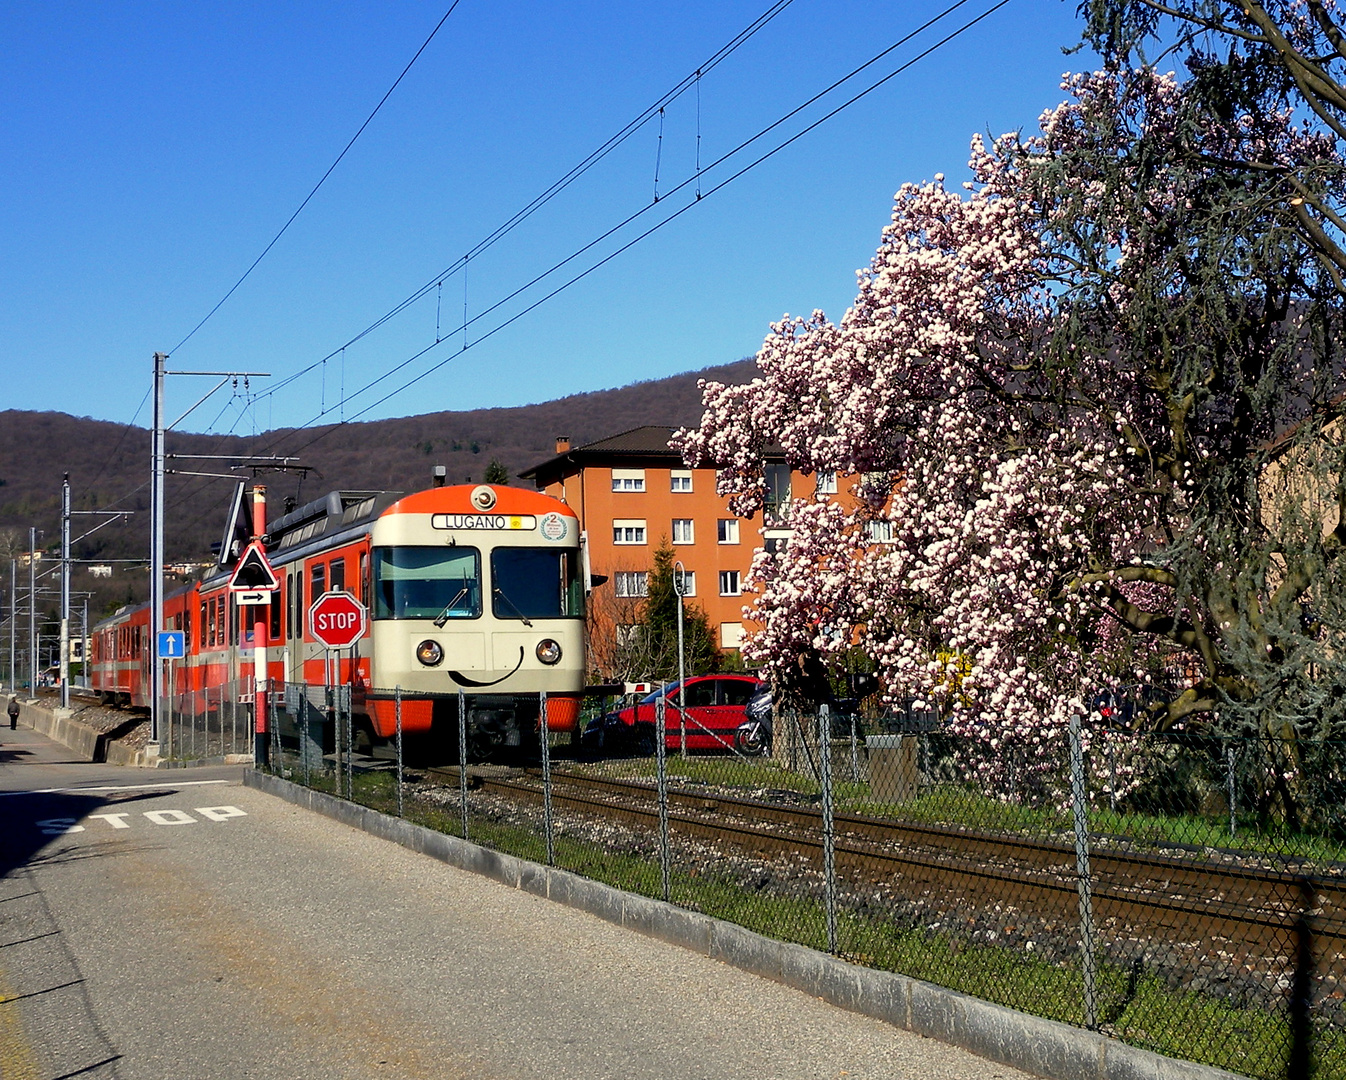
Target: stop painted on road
[{"x": 62, "y": 826}]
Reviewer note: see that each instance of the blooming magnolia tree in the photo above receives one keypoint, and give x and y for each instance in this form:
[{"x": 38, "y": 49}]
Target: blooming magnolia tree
[{"x": 1066, "y": 387}]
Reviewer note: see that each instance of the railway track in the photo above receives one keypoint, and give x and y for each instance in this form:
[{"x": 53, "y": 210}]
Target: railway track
[{"x": 1210, "y": 895}]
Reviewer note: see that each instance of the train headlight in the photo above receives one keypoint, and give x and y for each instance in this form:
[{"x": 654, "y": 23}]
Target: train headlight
[
  {"x": 549, "y": 651},
  {"x": 429, "y": 652}
]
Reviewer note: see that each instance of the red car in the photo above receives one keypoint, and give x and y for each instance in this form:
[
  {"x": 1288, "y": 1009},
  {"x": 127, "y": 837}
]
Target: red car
[{"x": 715, "y": 718}]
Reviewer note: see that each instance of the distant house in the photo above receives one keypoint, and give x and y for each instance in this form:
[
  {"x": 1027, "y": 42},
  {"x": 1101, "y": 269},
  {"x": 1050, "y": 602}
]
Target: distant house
[{"x": 102, "y": 570}]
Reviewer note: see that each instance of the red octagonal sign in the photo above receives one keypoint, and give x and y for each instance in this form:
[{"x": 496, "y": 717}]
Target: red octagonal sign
[{"x": 337, "y": 620}]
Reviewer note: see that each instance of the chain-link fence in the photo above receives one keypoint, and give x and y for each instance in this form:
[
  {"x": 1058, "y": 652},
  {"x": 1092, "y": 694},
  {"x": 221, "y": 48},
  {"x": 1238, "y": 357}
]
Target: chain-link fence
[
  {"x": 212, "y": 723},
  {"x": 1183, "y": 894}
]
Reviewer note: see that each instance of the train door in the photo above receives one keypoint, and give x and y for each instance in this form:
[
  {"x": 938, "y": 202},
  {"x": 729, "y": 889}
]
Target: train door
[{"x": 294, "y": 638}]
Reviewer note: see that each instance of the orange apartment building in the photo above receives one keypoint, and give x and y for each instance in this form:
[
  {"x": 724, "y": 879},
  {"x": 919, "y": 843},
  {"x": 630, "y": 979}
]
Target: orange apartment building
[{"x": 631, "y": 491}]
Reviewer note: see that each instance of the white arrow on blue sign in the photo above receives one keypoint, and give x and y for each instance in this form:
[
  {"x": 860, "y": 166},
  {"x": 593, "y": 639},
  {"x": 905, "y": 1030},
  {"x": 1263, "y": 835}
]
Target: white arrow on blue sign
[{"x": 172, "y": 645}]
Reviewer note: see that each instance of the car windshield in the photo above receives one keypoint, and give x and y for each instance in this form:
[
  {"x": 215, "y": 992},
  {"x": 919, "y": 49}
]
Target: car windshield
[
  {"x": 536, "y": 583},
  {"x": 671, "y": 689},
  {"x": 427, "y": 583}
]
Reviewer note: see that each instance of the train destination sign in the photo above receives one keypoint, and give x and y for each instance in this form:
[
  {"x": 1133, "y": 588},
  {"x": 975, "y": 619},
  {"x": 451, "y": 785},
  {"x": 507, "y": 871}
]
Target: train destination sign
[
  {"x": 485, "y": 522},
  {"x": 337, "y": 620}
]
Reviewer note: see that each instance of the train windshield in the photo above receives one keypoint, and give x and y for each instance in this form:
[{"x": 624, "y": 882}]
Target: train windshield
[
  {"x": 427, "y": 583},
  {"x": 536, "y": 583}
]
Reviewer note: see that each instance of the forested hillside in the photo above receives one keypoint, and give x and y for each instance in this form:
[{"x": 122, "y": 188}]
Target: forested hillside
[{"x": 109, "y": 466}]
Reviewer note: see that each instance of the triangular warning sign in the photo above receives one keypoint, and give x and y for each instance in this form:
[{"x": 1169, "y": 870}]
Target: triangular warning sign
[{"x": 253, "y": 571}]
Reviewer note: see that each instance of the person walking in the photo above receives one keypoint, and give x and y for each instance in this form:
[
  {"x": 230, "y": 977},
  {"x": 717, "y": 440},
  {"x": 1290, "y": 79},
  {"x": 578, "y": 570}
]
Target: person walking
[{"x": 13, "y": 713}]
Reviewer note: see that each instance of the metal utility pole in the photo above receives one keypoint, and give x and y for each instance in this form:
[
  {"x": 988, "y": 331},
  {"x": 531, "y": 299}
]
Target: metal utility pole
[
  {"x": 65, "y": 591},
  {"x": 13, "y": 623},
  {"x": 32, "y": 611},
  {"x": 157, "y": 553},
  {"x": 157, "y": 471},
  {"x": 680, "y": 587}
]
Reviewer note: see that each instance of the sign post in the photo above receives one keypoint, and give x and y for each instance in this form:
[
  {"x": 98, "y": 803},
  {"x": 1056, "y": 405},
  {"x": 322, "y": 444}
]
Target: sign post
[
  {"x": 337, "y": 620},
  {"x": 254, "y": 584}
]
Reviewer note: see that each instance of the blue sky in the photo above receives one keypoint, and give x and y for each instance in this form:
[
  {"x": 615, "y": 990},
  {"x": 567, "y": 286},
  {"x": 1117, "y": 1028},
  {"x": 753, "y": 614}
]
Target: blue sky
[{"x": 152, "y": 150}]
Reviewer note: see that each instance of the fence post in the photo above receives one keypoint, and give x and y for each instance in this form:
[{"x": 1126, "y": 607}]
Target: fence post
[
  {"x": 345, "y": 702},
  {"x": 1229, "y": 779},
  {"x": 794, "y": 739},
  {"x": 1082, "y": 875},
  {"x": 397, "y": 709},
  {"x": 544, "y": 736},
  {"x": 829, "y": 829},
  {"x": 855, "y": 754},
  {"x": 661, "y": 777},
  {"x": 462, "y": 758},
  {"x": 304, "y": 723}
]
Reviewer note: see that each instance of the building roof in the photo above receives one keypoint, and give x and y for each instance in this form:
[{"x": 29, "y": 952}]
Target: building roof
[{"x": 640, "y": 446}]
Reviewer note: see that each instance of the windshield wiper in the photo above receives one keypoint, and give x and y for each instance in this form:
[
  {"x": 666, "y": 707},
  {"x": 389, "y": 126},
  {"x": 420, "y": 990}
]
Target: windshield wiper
[
  {"x": 522, "y": 617},
  {"x": 443, "y": 616}
]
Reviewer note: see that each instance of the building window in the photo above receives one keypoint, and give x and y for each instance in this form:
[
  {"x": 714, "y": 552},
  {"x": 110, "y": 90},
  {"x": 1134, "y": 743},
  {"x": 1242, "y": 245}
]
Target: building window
[
  {"x": 731, "y": 635},
  {"x": 682, "y": 531},
  {"x": 628, "y": 479},
  {"x": 628, "y": 531},
  {"x": 777, "y": 492},
  {"x": 879, "y": 532},
  {"x": 728, "y": 530},
  {"x": 827, "y": 482},
  {"x": 628, "y": 636},
  {"x": 681, "y": 480},
  {"x": 729, "y": 583},
  {"x": 631, "y": 583},
  {"x": 688, "y": 581}
]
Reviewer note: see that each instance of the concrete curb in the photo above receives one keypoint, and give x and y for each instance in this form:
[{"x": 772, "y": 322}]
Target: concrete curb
[
  {"x": 94, "y": 745},
  {"x": 1042, "y": 1047}
]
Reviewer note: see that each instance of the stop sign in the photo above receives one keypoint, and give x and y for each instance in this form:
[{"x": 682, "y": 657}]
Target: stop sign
[{"x": 337, "y": 620}]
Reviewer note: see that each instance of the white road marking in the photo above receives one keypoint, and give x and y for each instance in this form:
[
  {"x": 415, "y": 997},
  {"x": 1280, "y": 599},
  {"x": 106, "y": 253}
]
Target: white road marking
[
  {"x": 170, "y": 817},
  {"x": 122, "y": 787},
  {"x": 220, "y": 813},
  {"x": 62, "y": 826},
  {"x": 117, "y": 821}
]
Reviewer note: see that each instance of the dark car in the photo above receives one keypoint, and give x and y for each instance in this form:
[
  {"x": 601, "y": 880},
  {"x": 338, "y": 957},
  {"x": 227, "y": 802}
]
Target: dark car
[{"x": 715, "y": 717}]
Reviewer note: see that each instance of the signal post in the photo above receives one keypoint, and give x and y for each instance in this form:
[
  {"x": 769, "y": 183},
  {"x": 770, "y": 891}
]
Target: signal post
[{"x": 254, "y": 585}]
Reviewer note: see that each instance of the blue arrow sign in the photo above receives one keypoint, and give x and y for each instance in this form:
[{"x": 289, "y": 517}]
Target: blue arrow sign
[{"x": 172, "y": 645}]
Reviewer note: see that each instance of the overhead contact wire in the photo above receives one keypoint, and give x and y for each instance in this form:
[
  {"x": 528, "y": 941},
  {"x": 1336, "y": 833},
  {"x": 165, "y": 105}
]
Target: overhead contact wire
[{"x": 246, "y": 273}]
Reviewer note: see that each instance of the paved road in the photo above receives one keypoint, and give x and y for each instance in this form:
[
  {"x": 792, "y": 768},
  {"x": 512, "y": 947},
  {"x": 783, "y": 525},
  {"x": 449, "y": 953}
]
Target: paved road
[{"x": 162, "y": 926}]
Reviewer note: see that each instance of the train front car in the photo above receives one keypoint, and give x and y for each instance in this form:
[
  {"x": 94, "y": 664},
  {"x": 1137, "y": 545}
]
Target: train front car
[{"x": 478, "y": 590}]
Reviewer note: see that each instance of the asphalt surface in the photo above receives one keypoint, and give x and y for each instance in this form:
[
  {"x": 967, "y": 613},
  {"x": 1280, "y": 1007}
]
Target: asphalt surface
[{"x": 174, "y": 924}]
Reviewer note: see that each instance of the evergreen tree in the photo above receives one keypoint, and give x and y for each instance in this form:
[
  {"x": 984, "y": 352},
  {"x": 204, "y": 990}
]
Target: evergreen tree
[
  {"x": 659, "y": 621},
  {"x": 496, "y": 473}
]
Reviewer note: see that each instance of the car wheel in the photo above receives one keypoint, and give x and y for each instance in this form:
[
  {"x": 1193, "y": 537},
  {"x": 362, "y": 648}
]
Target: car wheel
[
  {"x": 751, "y": 740},
  {"x": 643, "y": 742}
]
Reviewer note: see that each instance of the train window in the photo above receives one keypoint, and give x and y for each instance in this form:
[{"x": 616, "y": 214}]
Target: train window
[
  {"x": 337, "y": 576},
  {"x": 233, "y": 623},
  {"x": 295, "y": 597},
  {"x": 219, "y": 620},
  {"x": 275, "y": 630},
  {"x": 535, "y": 583},
  {"x": 427, "y": 583},
  {"x": 364, "y": 578},
  {"x": 317, "y": 581}
]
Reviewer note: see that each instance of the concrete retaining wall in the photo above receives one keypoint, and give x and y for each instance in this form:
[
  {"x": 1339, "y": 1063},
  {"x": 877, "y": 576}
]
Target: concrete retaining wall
[
  {"x": 84, "y": 741},
  {"x": 1043, "y": 1047}
]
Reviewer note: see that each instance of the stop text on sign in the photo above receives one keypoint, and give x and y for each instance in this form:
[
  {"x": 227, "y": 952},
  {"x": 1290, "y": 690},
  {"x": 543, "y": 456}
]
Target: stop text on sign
[{"x": 337, "y": 620}]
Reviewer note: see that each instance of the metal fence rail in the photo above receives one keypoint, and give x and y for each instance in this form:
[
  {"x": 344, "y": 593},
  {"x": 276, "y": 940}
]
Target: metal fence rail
[{"x": 1185, "y": 895}]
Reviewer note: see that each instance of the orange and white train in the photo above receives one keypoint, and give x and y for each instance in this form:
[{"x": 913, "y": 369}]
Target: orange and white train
[{"x": 472, "y": 590}]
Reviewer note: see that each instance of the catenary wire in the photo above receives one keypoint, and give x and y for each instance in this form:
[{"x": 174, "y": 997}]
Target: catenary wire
[
  {"x": 327, "y": 430},
  {"x": 648, "y": 232},
  {"x": 425, "y": 44},
  {"x": 557, "y": 186}
]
